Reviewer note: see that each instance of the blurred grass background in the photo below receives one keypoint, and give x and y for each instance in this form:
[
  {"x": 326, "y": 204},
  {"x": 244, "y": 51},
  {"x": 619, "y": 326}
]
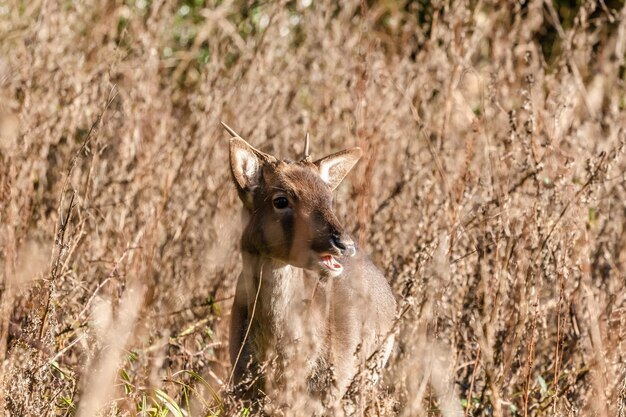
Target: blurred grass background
[{"x": 492, "y": 192}]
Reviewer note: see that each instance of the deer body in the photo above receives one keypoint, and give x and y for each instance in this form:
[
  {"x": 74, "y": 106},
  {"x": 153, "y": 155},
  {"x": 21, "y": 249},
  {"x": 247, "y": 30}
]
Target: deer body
[{"x": 306, "y": 297}]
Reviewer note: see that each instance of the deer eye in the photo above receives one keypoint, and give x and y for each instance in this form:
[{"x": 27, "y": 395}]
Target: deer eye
[{"x": 280, "y": 202}]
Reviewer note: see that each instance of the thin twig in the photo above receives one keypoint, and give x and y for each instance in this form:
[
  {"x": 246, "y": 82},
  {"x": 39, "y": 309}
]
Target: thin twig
[
  {"x": 65, "y": 221},
  {"x": 245, "y": 337},
  {"x": 471, "y": 388},
  {"x": 590, "y": 180}
]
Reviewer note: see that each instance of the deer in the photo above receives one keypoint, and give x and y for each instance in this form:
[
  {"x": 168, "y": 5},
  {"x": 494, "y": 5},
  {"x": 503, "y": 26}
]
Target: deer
[{"x": 307, "y": 295}]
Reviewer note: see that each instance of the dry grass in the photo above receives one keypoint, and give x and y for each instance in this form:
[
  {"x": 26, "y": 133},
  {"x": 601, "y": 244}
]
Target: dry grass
[{"x": 492, "y": 192}]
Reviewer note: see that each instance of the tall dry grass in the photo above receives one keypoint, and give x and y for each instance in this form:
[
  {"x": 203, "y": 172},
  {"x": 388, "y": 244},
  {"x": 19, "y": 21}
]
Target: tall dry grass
[{"x": 492, "y": 193}]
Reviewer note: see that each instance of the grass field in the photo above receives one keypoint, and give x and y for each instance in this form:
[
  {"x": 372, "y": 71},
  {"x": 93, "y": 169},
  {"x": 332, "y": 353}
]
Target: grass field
[{"x": 492, "y": 193}]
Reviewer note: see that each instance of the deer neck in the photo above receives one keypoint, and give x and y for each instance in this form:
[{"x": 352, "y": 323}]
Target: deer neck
[{"x": 274, "y": 291}]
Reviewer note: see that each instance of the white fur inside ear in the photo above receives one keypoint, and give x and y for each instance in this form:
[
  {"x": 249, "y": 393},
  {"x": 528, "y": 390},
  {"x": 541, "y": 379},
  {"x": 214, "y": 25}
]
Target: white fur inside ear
[
  {"x": 248, "y": 163},
  {"x": 325, "y": 169}
]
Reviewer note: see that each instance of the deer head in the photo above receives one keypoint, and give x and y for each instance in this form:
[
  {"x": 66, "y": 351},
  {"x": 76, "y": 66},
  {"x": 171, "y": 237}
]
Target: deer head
[{"x": 290, "y": 205}]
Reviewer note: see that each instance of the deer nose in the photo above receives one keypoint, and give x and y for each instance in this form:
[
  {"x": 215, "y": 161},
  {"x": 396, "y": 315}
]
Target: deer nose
[{"x": 344, "y": 245}]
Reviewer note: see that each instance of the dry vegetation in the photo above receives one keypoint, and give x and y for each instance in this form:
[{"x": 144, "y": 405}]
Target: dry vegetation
[{"x": 492, "y": 193}]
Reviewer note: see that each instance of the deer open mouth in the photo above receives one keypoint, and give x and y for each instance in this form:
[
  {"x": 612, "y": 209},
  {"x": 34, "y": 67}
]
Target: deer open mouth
[{"x": 329, "y": 262}]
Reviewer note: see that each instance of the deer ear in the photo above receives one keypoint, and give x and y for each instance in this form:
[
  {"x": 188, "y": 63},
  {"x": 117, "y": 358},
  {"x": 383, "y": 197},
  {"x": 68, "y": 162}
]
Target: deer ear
[
  {"x": 246, "y": 165},
  {"x": 333, "y": 168}
]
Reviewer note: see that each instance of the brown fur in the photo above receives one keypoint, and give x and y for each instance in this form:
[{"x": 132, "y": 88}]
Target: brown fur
[{"x": 319, "y": 328}]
